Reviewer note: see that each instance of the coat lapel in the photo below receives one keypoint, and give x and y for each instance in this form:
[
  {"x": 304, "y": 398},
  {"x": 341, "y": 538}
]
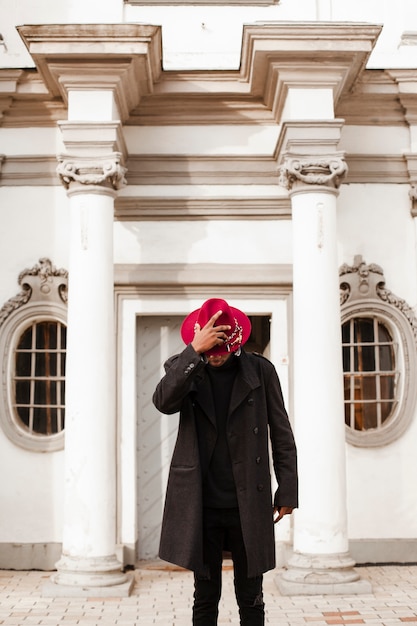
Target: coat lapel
[
  {"x": 243, "y": 384},
  {"x": 205, "y": 400}
]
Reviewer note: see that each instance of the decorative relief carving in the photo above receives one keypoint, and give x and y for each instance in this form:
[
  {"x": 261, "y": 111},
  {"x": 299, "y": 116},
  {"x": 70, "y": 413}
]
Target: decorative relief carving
[
  {"x": 316, "y": 170},
  {"x": 367, "y": 281},
  {"x": 87, "y": 171},
  {"x": 43, "y": 282}
]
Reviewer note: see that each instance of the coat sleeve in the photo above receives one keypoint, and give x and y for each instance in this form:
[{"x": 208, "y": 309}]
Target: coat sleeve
[
  {"x": 181, "y": 371},
  {"x": 284, "y": 451}
]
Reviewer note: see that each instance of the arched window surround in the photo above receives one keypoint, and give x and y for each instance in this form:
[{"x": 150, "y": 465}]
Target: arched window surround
[
  {"x": 364, "y": 294},
  {"x": 43, "y": 298}
]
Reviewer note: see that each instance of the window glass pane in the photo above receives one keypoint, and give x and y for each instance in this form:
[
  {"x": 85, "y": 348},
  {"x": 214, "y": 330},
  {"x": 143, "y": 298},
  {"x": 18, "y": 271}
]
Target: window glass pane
[
  {"x": 365, "y": 358},
  {"x": 383, "y": 334},
  {"x": 369, "y": 416},
  {"x": 387, "y": 387},
  {"x": 46, "y": 335},
  {"x": 42, "y": 422},
  {"x": 40, "y": 364},
  {"x": 24, "y": 414},
  {"x": 23, "y": 363},
  {"x": 25, "y": 342},
  {"x": 386, "y": 358},
  {"x": 368, "y": 386},
  {"x": 22, "y": 392},
  {"x": 346, "y": 359},
  {"x": 346, "y": 332},
  {"x": 364, "y": 330}
]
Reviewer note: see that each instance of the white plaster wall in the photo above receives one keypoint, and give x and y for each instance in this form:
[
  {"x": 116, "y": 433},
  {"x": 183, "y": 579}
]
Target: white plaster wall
[
  {"x": 381, "y": 491},
  {"x": 31, "y": 495},
  {"x": 33, "y": 224},
  {"x": 37, "y": 141},
  {"x": 375, "y": 221},
  {"x": 202, "y": 140},
  {"x": 375, "y": 139},
  {"x": 214, "y": 241}
]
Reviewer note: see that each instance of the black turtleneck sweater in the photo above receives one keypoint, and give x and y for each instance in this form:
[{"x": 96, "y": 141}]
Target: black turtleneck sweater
[{"x": 219, "y": 490}]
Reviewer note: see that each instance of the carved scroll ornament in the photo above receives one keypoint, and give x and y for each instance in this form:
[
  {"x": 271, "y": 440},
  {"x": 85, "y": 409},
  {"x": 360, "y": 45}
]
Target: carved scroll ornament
[
  {"x": 87, "y": 171},
  {"x": 318, "y": 170},
  {"x": 43, "y": 282},
  {"x": 361, "y": 280}
]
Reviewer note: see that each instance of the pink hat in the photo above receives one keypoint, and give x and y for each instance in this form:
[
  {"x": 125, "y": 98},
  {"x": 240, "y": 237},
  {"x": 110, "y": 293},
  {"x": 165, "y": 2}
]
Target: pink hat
[{"x": 240, "y": 326}]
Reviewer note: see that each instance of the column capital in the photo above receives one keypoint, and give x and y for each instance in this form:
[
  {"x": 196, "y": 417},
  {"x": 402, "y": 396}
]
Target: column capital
[
  {"x": 319, "y": 170},
  {"x": 104, "y": 171}
]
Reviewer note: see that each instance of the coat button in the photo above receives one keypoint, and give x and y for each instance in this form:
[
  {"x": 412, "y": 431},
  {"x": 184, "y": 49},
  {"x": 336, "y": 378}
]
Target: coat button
[
  {"x": 258, "y": 460},
  {"x": 250, "y": 401},
  {"x": 260, "y": 487},
  {"x": 255, "y": 430},
  {"x": 188, "y": 369}
]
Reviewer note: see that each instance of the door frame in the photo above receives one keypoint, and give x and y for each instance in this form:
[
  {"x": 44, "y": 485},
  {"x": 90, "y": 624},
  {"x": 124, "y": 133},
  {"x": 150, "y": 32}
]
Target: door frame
[{"x": 136, "y": 300}]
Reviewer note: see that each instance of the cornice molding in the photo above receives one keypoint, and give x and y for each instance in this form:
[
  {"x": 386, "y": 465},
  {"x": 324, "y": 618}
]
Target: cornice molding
[
  {"x": 277, "y": 56},
  {"x": 164, "y": 170},
  {"x": 140, "y": 209},
  {"x": 126, "y": 58},
  {"x": 173, "y": 275},
  {"x": 205, "y": 98},
  {"x": 161, "y": 169}
]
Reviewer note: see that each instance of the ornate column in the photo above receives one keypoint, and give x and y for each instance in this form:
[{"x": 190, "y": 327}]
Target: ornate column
[
  {"x": 88, "y": 563},
  {"x": 100, "y": 71},
  {"x": 320, "y": 563}
]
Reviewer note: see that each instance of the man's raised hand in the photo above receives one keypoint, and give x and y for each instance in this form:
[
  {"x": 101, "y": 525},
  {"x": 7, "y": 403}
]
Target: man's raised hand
[{"x": 210, "y": 335}]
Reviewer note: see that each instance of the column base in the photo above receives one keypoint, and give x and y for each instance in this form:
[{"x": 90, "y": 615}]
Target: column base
[
  {"x": 321, "y": 574},
  {"x": 98, "y": 577}
]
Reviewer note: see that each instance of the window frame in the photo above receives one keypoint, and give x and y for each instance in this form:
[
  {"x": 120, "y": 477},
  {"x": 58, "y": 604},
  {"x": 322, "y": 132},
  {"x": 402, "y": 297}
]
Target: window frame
[
  {"x": 43, "y": 298},
  {"x": 406, "y": 365},
  {"x": 11, "y": 422}
]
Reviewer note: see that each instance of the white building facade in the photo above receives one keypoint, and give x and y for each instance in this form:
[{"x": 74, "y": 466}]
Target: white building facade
[{"x": 152, "y": 156}]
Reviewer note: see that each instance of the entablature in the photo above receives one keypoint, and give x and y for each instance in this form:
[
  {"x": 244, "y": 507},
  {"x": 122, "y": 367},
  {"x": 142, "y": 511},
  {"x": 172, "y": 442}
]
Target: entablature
[{"x": 127, "y": 58}]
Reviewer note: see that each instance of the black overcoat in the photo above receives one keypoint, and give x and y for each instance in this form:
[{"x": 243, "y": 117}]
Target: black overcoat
[{"x": 256, "y": 414}]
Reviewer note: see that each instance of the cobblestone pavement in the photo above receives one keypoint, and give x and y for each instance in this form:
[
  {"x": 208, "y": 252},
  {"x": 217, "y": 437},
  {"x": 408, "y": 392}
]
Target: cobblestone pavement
[{"x": 163, "y": 595}]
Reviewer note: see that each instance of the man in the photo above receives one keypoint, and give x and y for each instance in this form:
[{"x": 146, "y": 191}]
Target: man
[{"x": 219, "y": 487}]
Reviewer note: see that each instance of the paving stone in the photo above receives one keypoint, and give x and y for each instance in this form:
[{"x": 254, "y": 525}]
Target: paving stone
[{"x": 163, "y": 596}]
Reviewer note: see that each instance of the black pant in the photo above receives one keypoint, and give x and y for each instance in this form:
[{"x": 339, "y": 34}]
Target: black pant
[{"x": 222, "y": 530}]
